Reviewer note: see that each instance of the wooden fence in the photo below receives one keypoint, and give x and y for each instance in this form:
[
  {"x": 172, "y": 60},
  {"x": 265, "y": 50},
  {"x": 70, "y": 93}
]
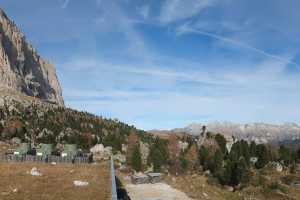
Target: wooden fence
[{"x": 44, "y": 159}]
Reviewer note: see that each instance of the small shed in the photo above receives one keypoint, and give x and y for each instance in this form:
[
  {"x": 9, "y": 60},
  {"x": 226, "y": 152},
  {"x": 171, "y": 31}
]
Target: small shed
[
  {"x": 44, "y": 150},
  {"x": 139, "y": 178},
  {"x": 70, "y": 150},
  {"x": 23, "y": 149},
  {"x": 155, "y": 177}
]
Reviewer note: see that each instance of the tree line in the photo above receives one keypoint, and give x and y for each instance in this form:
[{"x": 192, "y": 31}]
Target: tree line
[{"x": 230, "y": 167}]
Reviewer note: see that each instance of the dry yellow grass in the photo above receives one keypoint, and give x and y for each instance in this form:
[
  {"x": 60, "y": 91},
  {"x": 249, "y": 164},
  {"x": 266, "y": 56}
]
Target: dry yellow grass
[
  {"x": 56, "y": 183},
  {"x": 198, "y": 188},
  {"x": 3, "y": 147}
]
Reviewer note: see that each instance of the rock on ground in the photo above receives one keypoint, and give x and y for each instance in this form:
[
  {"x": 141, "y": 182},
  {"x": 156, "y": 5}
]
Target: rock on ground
[
  {"x": 80, "y": 183},
  {"x": 35, "y": 172}
]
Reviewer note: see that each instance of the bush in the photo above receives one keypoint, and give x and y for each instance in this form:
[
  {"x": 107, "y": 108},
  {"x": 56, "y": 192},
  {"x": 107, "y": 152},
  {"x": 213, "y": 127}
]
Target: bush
[
  {"x": 258, "y": 181},
  {"x": 183, "y": 163},
  {"x": 275, "y": 186},
  {"x": 286, "y": 155}
]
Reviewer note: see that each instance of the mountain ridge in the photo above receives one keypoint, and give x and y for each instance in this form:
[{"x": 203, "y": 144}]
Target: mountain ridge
[
  {"x": 22, "y": 69},
  {"x": 259, "y": 132}
]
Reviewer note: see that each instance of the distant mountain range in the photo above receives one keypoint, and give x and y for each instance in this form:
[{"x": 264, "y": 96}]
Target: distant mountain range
[{"x": 259, "y": 132}]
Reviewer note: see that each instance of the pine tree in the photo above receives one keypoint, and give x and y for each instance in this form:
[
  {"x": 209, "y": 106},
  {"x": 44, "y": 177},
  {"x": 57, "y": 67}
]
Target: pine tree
[
  {"x": 245, "y": 151},
  {"x": 156, "y": 159},
  {"x": 203, "y": 155},
  {"x": 132, "y": 142},
  {"x": 220, "y": 139},
  {"x": 203, "y": 130},
  {"x": 158, "y": 155},
  {"x": 1, "y": 129},
  {"x": 253, "y": 149},
  {"x": 217, "y": 162},
  {"x": 262, "y": 155},
  {"x": 243, "y": 172},
  {"x": 224, "y": 176},
  {"x": 184, "y": 163},
  {"x": 136, "y": 159}
]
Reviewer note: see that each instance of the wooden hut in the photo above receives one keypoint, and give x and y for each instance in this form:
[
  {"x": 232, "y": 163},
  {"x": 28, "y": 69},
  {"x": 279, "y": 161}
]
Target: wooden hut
[
  {"x": 139, "y": 178},
  {"x": 70, "y": 150},
  {"x": 44, "y": 150},
  {"x": 155, "y": 177},
  {"x": 23, "y": 149}
]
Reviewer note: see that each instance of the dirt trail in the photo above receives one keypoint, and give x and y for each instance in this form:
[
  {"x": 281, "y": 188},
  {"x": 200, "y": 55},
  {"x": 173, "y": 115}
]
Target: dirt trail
[{"x": 158, "y": 191}]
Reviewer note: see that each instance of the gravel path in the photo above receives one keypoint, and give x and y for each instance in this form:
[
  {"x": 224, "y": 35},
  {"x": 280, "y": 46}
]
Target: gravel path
[{"x": 158, "y": 191}]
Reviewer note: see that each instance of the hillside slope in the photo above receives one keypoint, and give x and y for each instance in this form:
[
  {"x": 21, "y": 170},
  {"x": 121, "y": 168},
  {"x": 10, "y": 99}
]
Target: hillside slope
[{"x": 33, "y": 120}]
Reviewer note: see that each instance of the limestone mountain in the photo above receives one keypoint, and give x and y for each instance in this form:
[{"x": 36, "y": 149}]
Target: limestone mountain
[
  {"x": 22, "y": 69},
  {"x": 31, "y": 103},
  {"x": 259, "y": 132}
]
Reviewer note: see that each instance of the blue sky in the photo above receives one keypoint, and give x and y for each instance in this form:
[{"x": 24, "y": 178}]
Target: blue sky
[{"x": 165, "y": 64}]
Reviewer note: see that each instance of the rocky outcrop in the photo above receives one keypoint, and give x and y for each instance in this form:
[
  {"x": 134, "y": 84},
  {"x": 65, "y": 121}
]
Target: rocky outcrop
[{"x": 22, "y": 69}]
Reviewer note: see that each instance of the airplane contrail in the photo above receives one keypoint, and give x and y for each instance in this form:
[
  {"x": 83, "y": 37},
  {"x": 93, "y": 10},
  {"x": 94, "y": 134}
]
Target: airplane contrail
[{"x": 237, "y": 43}]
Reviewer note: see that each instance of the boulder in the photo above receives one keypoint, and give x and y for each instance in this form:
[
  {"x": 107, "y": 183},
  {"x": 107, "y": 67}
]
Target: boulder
[
  {"x": 35, "y": 172},
  {"x": 80, "y": 183},
  {"x": 16, "y": 140}
]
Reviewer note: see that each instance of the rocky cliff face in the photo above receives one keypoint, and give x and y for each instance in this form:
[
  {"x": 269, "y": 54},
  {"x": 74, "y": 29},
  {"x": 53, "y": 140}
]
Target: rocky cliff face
[{"x": 22, "y": 69}]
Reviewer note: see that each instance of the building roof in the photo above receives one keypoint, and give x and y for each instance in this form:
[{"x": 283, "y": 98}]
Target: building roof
[{"x": 154, "y": 174}]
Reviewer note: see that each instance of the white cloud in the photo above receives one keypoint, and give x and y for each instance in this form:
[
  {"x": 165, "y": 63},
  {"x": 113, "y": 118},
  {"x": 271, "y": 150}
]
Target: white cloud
[
  {"x": 174, "y": 10},
  {"x": 99, "y": 2},
  {"x": 114, "y": 19},
  {"x": 268, "y": 72},
  {"x": 65, "y": 4},
  {"x": 144, "y": 11},
  {"x": 148, "y": 70},
  {"x": 170, "y": 110},
  {"x": 249, "y": 92}
]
